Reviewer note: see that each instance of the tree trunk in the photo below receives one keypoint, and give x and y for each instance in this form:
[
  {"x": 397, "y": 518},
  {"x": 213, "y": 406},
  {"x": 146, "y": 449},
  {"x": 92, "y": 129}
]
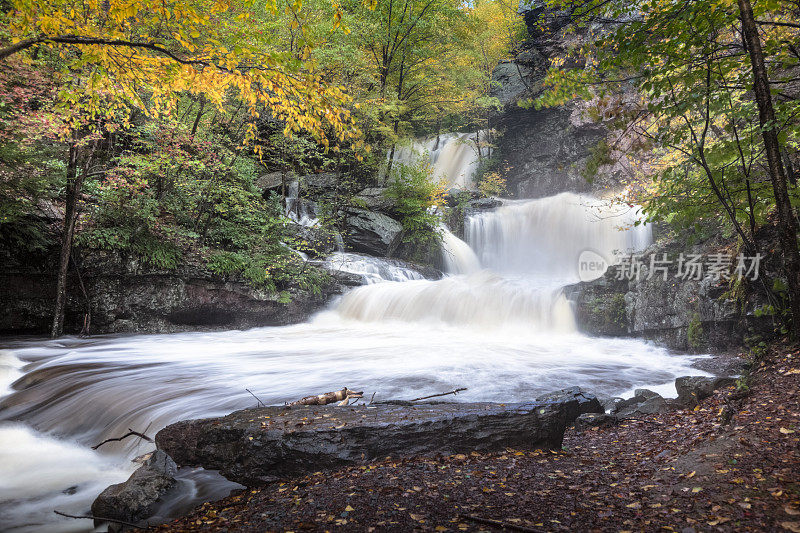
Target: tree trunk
[
  {"x": 73, "y": 189},
  {"x": 787, "y": 223}
]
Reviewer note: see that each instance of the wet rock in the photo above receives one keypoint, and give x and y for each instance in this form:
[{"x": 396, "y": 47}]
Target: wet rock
[
  {"x": 652, "y": 406},
  {"x": 272, "y": 181},
  {"x": 135, "y": 499},
  {"x": 138, "y": 300},
  {"x": 693, "y": 389},
  {"x": 593, "y": 420},
  {"x": 375, "y": 199},
  {"x": 683, "y": 314},
  {"x": 257, "y": 446},
  {"x": 371, "y": 232},
  {"x": 647, "y": 394},
  {"x": 643, "y": 402},
  {"x": 575, "y": 400}
]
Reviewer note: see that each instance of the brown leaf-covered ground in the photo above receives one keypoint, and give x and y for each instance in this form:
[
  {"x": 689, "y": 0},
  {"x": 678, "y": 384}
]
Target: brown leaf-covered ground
[{"x": 732, "y": 464}]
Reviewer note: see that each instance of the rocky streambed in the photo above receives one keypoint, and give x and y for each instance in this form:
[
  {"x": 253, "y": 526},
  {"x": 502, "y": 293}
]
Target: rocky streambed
[{"x": 262, "y": 446}]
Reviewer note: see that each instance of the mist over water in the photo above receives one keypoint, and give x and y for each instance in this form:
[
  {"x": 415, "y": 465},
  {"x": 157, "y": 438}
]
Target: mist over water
[{"x": 498, "y": 324}]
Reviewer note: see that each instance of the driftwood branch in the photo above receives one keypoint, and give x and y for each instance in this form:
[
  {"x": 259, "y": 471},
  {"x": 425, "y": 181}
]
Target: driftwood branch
[
  {"x": 99, "y": 519},
  {"x": 260, "y": 403},
  {"x": 131, "y": 433},
  {"x": 344, "y": 395},
  {"x": 454, "y": 392},
  {"x": 498, "y": 524}
]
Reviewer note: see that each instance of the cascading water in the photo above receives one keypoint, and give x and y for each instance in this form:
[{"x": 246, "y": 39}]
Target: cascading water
[
  {"x": 370, "y": 269},
  {"x": 453, "y": 156},
  {"x": 300, "y": 210},
  {"x": 547, "y": 236},
  {"x": 497, "y": 324}
]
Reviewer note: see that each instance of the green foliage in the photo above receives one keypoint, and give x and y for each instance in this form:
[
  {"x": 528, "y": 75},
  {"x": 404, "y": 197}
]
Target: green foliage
[
  {"x": 599, "y": 155},
  {"x": 413, "y": 191},
  {"x": 693, "y": 110},
  {"x": 694, "y": 332}
]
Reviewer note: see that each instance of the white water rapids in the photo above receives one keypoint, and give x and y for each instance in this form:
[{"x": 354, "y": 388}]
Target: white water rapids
[{"x": 499, "y": 325}]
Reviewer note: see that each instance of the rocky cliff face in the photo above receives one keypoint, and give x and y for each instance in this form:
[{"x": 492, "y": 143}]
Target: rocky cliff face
[
  {"x": 544, "y": 152},
  {"x": 683, "y": 314}
]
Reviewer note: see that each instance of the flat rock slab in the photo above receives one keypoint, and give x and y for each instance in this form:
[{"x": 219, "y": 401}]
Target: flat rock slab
[{"x": 258, "y": 446}]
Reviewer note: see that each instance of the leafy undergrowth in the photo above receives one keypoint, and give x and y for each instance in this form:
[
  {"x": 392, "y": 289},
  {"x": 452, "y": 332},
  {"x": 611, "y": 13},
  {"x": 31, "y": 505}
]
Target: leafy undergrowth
[{"x": 731, "y": 464}]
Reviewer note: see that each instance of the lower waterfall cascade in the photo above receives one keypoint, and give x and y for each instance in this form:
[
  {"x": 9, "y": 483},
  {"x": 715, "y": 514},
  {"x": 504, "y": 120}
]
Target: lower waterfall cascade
[{"x": 498, "y": 323}]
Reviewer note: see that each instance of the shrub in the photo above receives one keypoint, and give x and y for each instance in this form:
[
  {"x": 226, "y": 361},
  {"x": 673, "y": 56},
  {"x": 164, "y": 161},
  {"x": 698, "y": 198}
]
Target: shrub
[{"x": 416, "y": 195}]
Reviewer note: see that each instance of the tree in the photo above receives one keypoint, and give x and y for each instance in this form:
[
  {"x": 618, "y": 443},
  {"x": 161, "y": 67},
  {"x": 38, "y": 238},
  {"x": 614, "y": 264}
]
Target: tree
[
  {"x": 116, "y": 57},
  {"x": 691, "y": 71},
  {"x": 786, "y": 218}
]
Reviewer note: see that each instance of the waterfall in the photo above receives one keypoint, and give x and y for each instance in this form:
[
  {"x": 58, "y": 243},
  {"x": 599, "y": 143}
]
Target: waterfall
[
  {"x": 371, "y": 269},
  {"x": 453, "y": 156},
  {"x": 547, "y": 236},
  {"x": 481, "y": 300},
  {"x": 497, "y": 324},
  {"x": 457, "y": 256},
  {"x": 300, "y": 210},
  {"x": 511, "y": 271}
]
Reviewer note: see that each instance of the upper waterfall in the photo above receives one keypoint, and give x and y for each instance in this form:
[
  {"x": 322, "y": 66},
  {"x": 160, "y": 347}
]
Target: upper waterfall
[{"x": 453, "y": 156}]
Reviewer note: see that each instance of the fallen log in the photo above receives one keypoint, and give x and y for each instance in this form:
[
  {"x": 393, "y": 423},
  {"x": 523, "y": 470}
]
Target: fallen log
[{"x": 329, "y": 397}]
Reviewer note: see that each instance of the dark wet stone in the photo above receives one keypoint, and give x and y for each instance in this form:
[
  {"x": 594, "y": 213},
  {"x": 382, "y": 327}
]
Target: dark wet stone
[
  {"x": 135, "y": 499},
  {"x": 692, "y": 389},
  {"x": 257, "y": 446},
  {"x": 592, "y": 420}
]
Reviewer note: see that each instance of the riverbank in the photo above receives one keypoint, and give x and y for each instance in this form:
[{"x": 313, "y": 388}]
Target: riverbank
[{"x": 730, "y": 464}]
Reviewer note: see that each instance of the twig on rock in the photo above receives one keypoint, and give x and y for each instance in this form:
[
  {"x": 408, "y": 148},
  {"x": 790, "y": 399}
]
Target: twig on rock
[
  {"x": 125, "y": 436},
  {"x": 260, "y": 403},
  {"x": 455, "y": 391},
  {"x": 498, "y": 523},
  {"x": 99, "y": 519}
]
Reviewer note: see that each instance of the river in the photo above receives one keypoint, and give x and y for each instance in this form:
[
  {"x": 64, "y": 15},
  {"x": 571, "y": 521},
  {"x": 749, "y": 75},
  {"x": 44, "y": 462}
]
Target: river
[{"x": 498, "y": 324}]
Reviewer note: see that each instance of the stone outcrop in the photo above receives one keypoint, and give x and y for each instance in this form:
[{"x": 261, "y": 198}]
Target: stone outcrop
[
  {"x": 135, "y": 499},
  {"x": 683, "y": 314},
  {"x": 125, "y": 298},
  {"x": 257, "y": 446},
  {"x": 371, "y": 232},
  {"x": 543, "y": 152}
]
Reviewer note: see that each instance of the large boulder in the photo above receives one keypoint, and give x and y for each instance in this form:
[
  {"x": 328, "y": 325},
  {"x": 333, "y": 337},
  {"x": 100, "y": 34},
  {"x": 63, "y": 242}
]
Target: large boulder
[
  {"x": 257, "y": 446},
  {"x": 375, "y": 199},
  {"x": 135, "y": 499},
  {"x": 683, "y": 314},
  {"x": 371, "y": 232}
]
